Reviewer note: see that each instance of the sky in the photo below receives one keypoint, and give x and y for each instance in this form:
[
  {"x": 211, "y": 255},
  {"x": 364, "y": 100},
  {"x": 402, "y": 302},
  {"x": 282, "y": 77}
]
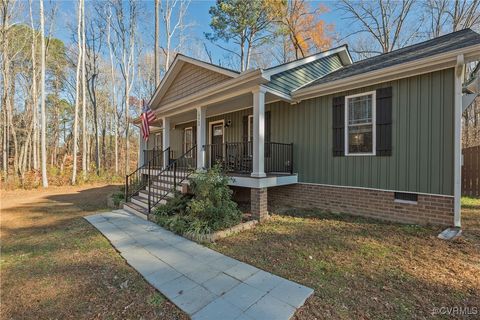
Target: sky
[{"x": 197, "y": 16}]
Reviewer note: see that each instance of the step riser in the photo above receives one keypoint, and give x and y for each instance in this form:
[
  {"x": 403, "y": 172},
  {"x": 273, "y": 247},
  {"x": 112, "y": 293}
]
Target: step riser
[
  {"x": 144, "y": 195},
  {"x": 135, "y": 212},
  {"x": 144, "y": 203}
]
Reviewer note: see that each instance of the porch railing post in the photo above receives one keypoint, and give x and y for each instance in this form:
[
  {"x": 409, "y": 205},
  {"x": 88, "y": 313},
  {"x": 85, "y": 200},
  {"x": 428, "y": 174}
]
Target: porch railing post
[
  {"x": 175, "y": 176},
  {"x": 149, "y": 185},
  {"x": 126, "y": 188}
]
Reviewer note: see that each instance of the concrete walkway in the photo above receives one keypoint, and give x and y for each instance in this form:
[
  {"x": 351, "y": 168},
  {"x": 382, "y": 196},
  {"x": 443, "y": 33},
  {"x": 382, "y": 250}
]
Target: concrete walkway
[{"x": 200, "y": 281}]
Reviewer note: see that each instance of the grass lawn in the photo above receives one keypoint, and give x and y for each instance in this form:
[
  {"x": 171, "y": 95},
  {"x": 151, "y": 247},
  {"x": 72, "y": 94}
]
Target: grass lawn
[
  {"x": 55, "y": 265},
  {"x": 366, "y": 269}
]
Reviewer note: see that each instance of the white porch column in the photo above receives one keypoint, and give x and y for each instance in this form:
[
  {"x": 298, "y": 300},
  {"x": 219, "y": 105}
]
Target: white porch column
[
  {"x": 457, "y": 145},
  {"x": 259, "y": 132},
  {"x": 201, "y": 136},
  {"x": 166, "y": 139}
]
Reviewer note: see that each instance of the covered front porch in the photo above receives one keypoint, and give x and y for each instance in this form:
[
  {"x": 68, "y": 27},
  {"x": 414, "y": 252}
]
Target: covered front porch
[{"x": 234, "y": 133}]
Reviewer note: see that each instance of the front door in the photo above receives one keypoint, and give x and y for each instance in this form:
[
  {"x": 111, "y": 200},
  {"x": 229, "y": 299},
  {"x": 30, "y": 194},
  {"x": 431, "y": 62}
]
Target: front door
[{"x": 217, "y": 143}]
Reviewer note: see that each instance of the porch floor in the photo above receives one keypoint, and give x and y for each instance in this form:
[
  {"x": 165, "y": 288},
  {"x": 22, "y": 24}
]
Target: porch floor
[{"x": 202, "y": 282}]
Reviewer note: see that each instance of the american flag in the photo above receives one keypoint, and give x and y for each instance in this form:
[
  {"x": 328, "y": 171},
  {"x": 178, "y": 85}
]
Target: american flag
[{"x": 147, "y": 117}]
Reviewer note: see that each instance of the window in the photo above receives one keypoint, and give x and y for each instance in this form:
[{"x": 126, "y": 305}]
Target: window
[
  {"x": 360, "y": 124},
  {"x": 187, "y": 139}
]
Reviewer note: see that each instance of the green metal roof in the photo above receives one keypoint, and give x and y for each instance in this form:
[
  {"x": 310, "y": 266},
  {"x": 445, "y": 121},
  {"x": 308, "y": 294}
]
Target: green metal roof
[{"x": 289, "y": 80}]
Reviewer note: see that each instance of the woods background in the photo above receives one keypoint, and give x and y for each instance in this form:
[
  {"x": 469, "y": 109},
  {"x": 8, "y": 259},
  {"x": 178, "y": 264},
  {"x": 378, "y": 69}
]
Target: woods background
[{"x": 66, "y": 106}]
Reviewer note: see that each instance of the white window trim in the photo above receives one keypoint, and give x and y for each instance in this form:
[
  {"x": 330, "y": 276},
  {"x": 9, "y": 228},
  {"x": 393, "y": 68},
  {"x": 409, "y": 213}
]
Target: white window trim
[
  {"x": 374, "y": 123},
  {"x": 185, "y": 140}
]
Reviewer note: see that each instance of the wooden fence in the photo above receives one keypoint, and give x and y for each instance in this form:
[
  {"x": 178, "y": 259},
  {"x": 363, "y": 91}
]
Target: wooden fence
[{"x": 471, "y": 172}]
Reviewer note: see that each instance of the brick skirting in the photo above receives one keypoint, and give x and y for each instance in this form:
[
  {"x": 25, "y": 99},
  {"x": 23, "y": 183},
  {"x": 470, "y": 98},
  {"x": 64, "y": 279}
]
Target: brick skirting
[{"x": 430, "y": 209}]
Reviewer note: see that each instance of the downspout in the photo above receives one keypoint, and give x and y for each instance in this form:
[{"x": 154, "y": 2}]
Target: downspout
[{"x": 457, "y": 189}]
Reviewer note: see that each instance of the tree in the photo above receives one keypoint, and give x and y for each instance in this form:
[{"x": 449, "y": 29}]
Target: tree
[
  {"x": 84, "y": 97},
  {"x": 113, "y": 80},
  {"x": 385, "y": 25},
  {"x": 42, "y": 110},
  {"x": 77, "y": 92},
  {"x": 172, "y": 27},
  {"x": 34, "y": 91},
  {"x": 125, "y": 30},
  {"x": 448, "y": 16},
  {"x": 300, "y": 28},
  {"x": 156, "y": 48},
  {"x": 244, "y": 23}
]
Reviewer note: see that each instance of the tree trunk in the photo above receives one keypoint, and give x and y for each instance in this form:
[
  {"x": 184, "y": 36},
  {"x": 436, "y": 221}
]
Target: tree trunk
[
  {"x": 84, "y": 97},
  {"x": 77, "y": 94},
  {"x": 156, "y": 48},
  {"x": 43, "y": 115},
  {"x": 34, "y": 93}
]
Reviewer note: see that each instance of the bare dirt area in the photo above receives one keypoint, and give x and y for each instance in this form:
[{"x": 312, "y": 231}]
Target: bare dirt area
[{"x": 55, "y": 265}]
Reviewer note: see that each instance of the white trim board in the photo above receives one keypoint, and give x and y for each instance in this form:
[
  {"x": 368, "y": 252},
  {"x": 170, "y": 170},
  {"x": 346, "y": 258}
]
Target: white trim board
[{"x": 264, "y": 182}]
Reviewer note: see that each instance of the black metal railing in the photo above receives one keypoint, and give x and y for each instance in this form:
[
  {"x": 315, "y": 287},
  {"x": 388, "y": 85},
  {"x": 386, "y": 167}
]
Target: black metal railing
[
  {"x": 157, "y": 156},
  {"x": 278, "y": 157},
  {"x": 237, "y": 157},
  {"x": 167, "y": 181},
  {"x": 138, "y": 179}
]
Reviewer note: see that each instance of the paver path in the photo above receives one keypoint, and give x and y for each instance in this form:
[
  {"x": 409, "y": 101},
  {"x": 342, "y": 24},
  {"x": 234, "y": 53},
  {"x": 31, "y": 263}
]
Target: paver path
[{"x": 200, "y": 281}]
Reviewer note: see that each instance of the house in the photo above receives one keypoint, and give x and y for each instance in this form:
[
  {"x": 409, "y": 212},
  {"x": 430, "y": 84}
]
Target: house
[{"x": 379, "y": 137}]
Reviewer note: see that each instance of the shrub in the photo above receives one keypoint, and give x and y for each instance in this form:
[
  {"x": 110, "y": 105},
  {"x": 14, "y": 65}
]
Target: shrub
[
  {"x": 117, "y": 197},
  {"x": 210, "y": 209},
  {"x": 213, "y": 202}
]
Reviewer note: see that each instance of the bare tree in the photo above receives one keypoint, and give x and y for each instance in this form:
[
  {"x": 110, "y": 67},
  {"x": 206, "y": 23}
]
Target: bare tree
[
  {"x": 448, "y": 16},
  {"x": 125, "y": 31},
  {"x": 114, "y": 87},
  {"x": 43, "y": 112},
  {"x": 84, "y": 97},
  {"x": 388, "y": 24},
  {"x": 34, "y": 91},
  {"x": 156, "y": 48},
  {"x": 77, "y": 92},
  {"x": 94, "y": 47},
  {"x": 173, "y": 9}
]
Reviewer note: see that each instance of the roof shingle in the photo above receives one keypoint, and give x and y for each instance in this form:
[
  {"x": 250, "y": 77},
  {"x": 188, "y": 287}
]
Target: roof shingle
[{"x": 449, "y": 42}]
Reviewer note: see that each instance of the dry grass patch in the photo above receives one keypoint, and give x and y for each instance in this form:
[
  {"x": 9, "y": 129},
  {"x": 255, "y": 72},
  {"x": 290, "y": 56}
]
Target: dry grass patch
[
  {"x": 55, "y": 265},
  {"x": 363, "y": 268}
]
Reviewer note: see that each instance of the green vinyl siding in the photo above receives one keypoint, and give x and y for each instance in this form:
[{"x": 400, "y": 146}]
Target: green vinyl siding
[
  {"x": 294, "y": 78},
  {"x": 422, "y": 139}
]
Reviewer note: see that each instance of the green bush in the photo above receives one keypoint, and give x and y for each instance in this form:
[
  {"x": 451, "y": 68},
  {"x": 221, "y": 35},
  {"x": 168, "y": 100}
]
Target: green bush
[
  {"x": 210, "y": 209},
  {"x": 176, "y": 205},
  {"x": 117, "y": 197}
]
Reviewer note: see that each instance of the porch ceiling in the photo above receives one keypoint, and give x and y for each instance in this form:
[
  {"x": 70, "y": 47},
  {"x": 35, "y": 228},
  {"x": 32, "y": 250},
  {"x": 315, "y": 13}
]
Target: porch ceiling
[{"x": 242, "y": 101}]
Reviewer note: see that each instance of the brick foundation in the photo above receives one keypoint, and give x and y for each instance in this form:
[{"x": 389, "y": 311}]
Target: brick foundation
[
  {"x": 429, "y": 209},
  {"x": 259, "y": 203}
]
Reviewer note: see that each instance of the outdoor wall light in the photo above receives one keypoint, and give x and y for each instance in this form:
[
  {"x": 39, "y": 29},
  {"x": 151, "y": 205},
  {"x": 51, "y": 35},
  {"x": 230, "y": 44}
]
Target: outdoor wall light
[{"x": 228, "y": 123}]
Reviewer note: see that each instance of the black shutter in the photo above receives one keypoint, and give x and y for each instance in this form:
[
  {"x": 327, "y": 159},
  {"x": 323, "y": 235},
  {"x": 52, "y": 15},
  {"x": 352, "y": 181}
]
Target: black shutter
[
  {"x": 384, "y": 121},
  {"x": 338, "y": 105}
]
